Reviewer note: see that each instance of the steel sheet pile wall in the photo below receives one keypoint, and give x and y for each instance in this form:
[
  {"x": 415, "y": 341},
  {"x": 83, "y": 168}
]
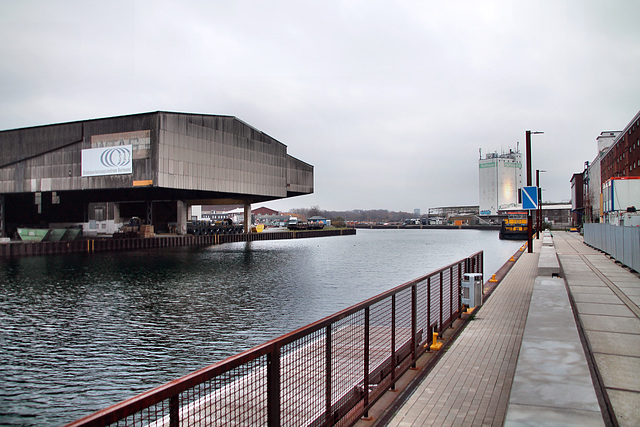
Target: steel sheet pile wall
[
  {"x": 327, "y": 373},
  {"x": 104, "y": 245},
  {"x": 622, "y": 243}
]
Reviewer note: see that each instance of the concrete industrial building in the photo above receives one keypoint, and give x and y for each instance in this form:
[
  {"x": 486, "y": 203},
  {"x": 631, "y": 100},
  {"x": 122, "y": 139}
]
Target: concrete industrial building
[
  {"x": 500, "y": 178},
  {"x": 155, "y": 166}
]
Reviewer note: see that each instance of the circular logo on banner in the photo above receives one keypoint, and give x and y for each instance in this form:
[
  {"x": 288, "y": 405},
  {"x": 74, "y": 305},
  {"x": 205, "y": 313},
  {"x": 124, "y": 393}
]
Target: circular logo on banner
[{"x": 115, "y": 157}]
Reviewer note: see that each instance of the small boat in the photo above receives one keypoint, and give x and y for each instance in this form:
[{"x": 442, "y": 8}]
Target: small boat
[{"x": 515, "y": 227}]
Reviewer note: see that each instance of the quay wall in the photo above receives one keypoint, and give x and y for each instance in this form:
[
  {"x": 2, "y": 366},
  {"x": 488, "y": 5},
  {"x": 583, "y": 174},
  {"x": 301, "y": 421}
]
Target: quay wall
[
  {"x": 429, "y": 227},
  {"x": 88, "y": 245}
]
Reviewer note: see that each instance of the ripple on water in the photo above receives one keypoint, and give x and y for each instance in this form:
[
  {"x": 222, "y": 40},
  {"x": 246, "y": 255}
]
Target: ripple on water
[{"x": 79, "y": 333}]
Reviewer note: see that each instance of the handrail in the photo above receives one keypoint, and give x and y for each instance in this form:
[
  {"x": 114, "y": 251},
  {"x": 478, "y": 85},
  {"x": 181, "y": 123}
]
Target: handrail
[{"x": 341, "y": 359}]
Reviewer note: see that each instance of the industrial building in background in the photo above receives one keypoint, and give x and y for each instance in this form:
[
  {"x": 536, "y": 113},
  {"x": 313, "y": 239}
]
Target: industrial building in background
[
  {"x": 153, "y": 167},
  {"x": 608, "y": 190},
  {"x": 591, "y": 179},
  {"x": 500, "y": 181}
]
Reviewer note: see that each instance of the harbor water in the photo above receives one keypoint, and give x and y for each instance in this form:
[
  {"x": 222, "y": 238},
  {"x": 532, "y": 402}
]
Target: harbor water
[{"x": 81, "y": 332}]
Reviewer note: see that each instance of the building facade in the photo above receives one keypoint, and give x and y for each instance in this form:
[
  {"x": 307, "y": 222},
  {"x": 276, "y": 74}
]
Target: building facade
[
  {"x": 592, "y": 177},
  {"x": 622, "y": 158},
  {"x": 500, "y": 178},
  {"x": 612, "y": 178},
  {"x": 100, "y": 173},
  {"x": 577, "y": 199}
]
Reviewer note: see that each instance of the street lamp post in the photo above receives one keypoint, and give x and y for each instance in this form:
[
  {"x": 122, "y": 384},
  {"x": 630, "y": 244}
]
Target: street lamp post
[
  {"x": 539, "y": 210},
  {"x": 529, "y": 221}
]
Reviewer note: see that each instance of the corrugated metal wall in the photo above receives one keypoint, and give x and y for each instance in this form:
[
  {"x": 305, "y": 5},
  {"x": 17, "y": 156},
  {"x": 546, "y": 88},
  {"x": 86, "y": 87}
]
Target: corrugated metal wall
[
  {"x": 218, "y": 154},
  {"x": 622, "y": 243}
]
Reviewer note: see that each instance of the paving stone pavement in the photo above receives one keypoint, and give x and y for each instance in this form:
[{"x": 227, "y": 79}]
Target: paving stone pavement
[
  {"x": 553, "y": 384},
  {"x": 606, "y": 296},
  {"x": 471, "y": 384}
]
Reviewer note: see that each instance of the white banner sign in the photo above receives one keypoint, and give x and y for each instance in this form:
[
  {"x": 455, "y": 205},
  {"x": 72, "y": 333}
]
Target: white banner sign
[{"x": 107, "y": 161}]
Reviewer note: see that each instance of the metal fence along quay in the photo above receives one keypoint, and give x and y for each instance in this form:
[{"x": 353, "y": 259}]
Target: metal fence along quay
[
  {"x": 327, "y": 373},
  {"x": 622, "y": 243}
]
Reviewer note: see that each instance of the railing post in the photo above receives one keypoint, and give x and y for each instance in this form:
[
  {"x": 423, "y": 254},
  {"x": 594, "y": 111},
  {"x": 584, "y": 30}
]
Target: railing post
[
  {"x": 327, "y": 418},
  {"x": 414, "y": 324},
  {"x": 460, "y": 288},
  {"x": 366, "y": 363},
  {"x": 394, "y": 362},
  {"x": 174, "y": 411},
  {"x": 441, "y": 302},
  {"x": 429, "y": 308},
  {"x": 273, "y": 387},
  {"x": 451, "y": 293}
]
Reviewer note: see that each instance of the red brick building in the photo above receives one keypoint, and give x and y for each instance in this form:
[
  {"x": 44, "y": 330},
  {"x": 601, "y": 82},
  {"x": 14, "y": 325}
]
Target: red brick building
[
  {"x": 264, "y": 211},
  {"x": 577, "y": 199},
  {"x": 623, "y": 157}
]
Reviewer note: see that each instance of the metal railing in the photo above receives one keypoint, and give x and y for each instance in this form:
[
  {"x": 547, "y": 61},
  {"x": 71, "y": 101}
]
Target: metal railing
[{"x": 327, "y": 373}]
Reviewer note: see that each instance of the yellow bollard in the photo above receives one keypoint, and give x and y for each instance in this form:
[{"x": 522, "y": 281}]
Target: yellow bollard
[
  {"x": 493, "y": 278},
  {"x": 436, "y": 345},
  {"x": 512, "y": 259}
]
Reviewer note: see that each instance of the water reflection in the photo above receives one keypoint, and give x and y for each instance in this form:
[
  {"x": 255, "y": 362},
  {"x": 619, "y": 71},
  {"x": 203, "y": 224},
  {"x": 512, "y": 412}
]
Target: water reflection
[{"x": 81, "y": 332}]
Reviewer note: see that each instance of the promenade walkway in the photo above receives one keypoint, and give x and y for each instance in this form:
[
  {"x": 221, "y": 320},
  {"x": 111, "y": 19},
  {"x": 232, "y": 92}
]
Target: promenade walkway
[
  {"x": 470, "y": 385},
  {"x": 606, "y": 298},
  {"x": 473, "y": 383}
]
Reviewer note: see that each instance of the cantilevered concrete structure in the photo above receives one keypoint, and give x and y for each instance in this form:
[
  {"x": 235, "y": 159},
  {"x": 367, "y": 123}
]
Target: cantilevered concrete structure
[{"x": 154, "y": 166}]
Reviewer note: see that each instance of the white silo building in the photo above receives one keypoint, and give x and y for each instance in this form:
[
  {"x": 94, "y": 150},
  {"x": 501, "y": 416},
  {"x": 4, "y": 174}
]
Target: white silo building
[{"x": 500, "y": 180}]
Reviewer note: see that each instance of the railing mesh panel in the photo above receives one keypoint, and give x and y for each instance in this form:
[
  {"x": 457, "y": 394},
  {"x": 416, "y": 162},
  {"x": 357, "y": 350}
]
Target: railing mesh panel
[
  {"x": 347, "y": 359},
  {"x": 303, "y": 377},
  {"x": 403, "y": 317},
  {"x": 446, "y": 289},
  {"x": 238, "y": 397},
  {"x": 380, "y": 339},
  {"x": 321, "y": 377},
  {"x": 435, "y": 301},
  {"x": 422, "y": 325}
]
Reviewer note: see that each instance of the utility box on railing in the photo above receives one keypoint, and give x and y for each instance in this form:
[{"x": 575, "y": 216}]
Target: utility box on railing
[{"x": 472, "y": 289}]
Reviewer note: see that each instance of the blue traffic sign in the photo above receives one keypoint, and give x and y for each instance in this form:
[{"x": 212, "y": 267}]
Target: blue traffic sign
[{"x": 529, "y": 198}]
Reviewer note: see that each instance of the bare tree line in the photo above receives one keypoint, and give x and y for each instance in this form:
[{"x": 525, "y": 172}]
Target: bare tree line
[{"x": 373, "y": 215}]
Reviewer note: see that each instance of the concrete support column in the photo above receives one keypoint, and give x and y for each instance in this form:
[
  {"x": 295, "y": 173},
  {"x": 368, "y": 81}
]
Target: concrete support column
[
  {"x": 114, "y": 222},
  {"x": 116, "y": 213},
  {"x": 184, "y": 214},
  {"x": 247, "y": 217}
]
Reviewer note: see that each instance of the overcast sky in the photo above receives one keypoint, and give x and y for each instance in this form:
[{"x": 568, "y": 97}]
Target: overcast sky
[{"x": 389, "y": 101}]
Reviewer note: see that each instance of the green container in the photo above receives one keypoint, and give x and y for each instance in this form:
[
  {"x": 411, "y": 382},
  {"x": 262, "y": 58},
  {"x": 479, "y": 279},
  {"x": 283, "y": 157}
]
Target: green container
[
  {"x": 56, "y": 234},
  {"x": 33, "y": 234}
]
